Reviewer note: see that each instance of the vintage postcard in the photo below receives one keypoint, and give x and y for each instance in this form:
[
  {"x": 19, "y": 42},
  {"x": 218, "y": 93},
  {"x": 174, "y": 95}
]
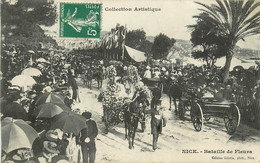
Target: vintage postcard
[{"x": 130, "y": 81}]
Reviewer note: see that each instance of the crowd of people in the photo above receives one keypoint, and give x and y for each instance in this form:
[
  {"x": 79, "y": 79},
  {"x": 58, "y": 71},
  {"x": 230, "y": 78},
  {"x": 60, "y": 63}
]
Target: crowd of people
[
  {"x": 55, "y": 87},
  {"x": 59, "y": 73}
]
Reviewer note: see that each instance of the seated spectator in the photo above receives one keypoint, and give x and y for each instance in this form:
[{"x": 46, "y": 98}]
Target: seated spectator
[{"x": 227, "y": 93}]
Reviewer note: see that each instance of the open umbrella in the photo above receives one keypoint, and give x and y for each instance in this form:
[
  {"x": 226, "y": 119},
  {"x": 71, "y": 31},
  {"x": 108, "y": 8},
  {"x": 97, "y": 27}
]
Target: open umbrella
[
  {"x": 49, "y": 97},
  {"x": 16, "y": 134},
  {"x": 42, "y": 60},
  {"x": 23, "y": 81},
  {"x": 49, "y": 110},
  {"x": 30, "y": 51},
  {"x": 14, "y": 110},
  {"x": 69, "y": 122},
  {"x": 31, "y": 72},
  {"x": 56, "y": 55}
]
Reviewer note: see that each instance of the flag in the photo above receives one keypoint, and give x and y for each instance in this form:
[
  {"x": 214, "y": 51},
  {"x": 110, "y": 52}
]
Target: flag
[{"x": 123, "y": 33}]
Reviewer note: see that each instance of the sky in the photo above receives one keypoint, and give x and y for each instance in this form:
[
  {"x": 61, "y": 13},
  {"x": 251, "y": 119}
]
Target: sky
[{"x": 172, "y": 20}]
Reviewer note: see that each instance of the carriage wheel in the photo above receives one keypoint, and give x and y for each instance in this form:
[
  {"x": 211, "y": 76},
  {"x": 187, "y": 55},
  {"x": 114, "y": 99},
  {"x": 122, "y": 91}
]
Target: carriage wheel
[
  {"x": 181, "y": 110},
  {"x": 197, "y": 116},
  {"x": 232, "y": 119}
]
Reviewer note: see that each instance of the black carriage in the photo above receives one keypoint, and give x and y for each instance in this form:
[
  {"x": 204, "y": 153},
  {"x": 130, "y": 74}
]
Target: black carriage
[{"x": 205, "y": 107}]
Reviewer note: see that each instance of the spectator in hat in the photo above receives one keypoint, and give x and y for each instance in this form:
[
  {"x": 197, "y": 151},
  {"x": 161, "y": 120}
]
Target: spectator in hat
[
  {"x": 49, "y": 151},
  {"x": 147, "y": 73},
  {"x": 74, "y": 86},
  {"x": 164, "y": 73},
  {"x": 67, "y": 100},
  {"x": 13, "y": 108},
  {"x": 158, "y": 121},
  {"x": 228, "y": 93},
  {"x": 87, "y": 139},
  {"x": 156, "y": 73},
  {"x": 157, "y": 94}
]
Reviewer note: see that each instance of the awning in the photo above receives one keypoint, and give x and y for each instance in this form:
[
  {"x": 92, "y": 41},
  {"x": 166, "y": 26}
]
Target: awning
[{"x": 136, "y": 55}]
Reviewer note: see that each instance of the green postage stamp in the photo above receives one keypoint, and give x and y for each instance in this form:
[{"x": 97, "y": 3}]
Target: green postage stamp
[{"x": 80, "y": 20}]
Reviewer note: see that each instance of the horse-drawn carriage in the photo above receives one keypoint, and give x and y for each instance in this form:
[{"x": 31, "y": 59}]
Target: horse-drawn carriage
[
  {"x": 153, "y": 82},
  {"x": 202, "y": 108},
  {"x": 114, "y": 110},
  {"x": 131, "y": 111}
]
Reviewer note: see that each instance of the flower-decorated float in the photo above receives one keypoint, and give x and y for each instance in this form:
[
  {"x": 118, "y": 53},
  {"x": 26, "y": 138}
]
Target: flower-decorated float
[{"x": 114, "y": 100}]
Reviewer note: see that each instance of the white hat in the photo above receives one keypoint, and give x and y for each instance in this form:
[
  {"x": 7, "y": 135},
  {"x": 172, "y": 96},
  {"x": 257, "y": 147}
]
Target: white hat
[
  {"x": 50, "y": 147},
  {"x": 47, "y": 89},
  {"x": 59, "y": 132},
  {"x": 63, "y": 161},
  {"x": 140, "y": 83},
  {"x": 148, "y": 67},
  {"x": 163, "y": 69},
  {"x": 52, "y": 135}
]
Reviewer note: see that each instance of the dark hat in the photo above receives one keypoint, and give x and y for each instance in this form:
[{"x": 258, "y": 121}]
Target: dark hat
[
  {"x": 67, "y": 93},
  {"x": 13, "y": 95},
  {"x": 87, "y": 115}
]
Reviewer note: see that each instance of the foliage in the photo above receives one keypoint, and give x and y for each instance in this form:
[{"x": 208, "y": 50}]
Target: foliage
[
  {"x": 146, "y": 46},
  {"x": 206, "y": 44},
  {"x": 143, "y": 91},
  {"x": 111, "y": 71},
  {"x": 137, "y": 39},
  {"x": 21, "y": 32},
  {"x": 134, "y": 38},
  {"x": 161, "y": 46},
  {"x": 234, "y": 20},
  {"x": 132, "y": 74},
  {"x": 21, "y": 22},
  {"x": 113, "y": 103}
]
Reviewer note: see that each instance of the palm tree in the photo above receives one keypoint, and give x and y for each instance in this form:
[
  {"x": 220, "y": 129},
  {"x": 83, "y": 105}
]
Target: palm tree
[{"x": 234, "y": 20}]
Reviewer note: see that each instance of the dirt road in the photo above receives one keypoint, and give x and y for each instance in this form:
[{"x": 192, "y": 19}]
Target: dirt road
[{"x": 179, "y": 141}]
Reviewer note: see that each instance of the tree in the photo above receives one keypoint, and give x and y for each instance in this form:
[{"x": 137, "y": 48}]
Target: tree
[
  {"x": 21, "y": 22},
  {"x": 21, "y": 30},
  {"x": 146, "y": 46},
  {"x": 137, "y": 39},
  {"x": 134, "y": 38},
  {"x": 161, "y": 46},
  {"x": 234, "y": 20},
  {"x": 206, "y": 44}
]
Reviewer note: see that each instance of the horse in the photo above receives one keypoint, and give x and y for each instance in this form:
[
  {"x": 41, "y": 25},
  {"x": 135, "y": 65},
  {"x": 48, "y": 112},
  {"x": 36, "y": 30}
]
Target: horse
[
  {"x": 98, "y": 75},
  {"x": 87, "y": 80},
  {"x": 132, "y": 115},
  {"x": 174, "y": 91}
]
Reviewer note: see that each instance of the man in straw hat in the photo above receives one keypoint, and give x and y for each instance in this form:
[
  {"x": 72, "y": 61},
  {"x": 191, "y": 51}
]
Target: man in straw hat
[
  {"x": 147, "y": 74},
  {"x": 158, "y": 121},
  {"x": 49, "y": 151},
  {"x": 87, "y": 139}
]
